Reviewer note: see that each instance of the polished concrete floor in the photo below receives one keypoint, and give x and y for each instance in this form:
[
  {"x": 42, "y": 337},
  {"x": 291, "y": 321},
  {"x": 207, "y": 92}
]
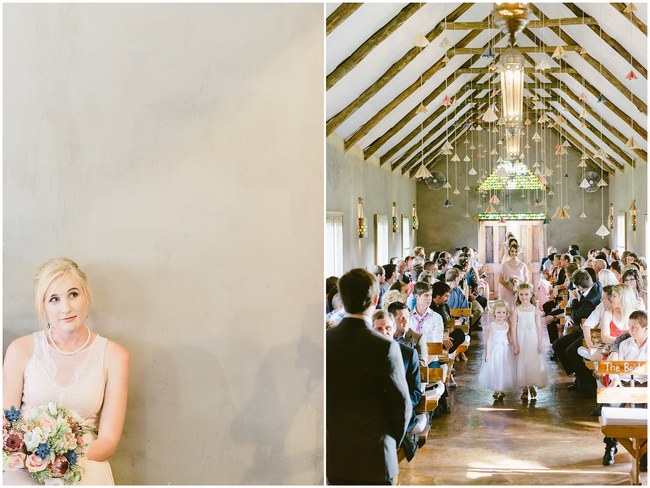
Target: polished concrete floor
[{"x": 550, "y": 441}]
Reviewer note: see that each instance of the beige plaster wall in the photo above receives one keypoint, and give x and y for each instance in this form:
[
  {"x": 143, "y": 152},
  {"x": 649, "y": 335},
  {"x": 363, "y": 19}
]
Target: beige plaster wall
[
  {"x": 630, "y": 184},
  {"x": 176, "y": 153},
  {"x": 350, "y": 177}
]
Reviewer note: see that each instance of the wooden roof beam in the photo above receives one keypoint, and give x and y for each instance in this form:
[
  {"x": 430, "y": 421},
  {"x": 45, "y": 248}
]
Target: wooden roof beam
[
  {"x": 486, "y": 70},
  {"x": 428, "y": 160},
  {"x": 533, "y": 24},
  {"x": 383, "y": 80},
  {"x": 379, "y": 116},
  {"x": 372, "y": 42},
  {"x": 433, "y": 146},
  {"x": 604, "y": 72},
  {"x": 444, "y": 124},
  {"x": 610, "y": 40},
  {"x": 337, "y": 17},
  {"x": 527, "y": 49}
]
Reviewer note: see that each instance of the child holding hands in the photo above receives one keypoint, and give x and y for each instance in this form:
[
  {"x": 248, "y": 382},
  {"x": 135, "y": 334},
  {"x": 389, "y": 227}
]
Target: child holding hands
[
  {"x": 526, "y": 336},
  {"x": 498, "y": 371}
]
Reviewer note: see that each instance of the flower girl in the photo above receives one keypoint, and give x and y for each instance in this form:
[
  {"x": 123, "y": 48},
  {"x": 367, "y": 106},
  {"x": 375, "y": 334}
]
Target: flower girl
[
  {"x": 498, "y": 371},
  {"x": 527, "y": 340}
]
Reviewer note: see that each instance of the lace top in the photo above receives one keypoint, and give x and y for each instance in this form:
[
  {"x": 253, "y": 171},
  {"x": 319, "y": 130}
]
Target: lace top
[{"x": 77, "y": 381}]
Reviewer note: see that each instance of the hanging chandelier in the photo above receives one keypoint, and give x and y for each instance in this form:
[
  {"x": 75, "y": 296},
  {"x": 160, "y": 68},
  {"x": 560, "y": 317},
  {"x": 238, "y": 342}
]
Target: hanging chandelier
[{"x": 511, "y": 18}]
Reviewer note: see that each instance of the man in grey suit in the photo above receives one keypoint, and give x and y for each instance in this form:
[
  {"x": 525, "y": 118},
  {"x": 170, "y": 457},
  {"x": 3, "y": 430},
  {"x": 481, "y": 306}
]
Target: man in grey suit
[{"x": 368, "y": 402}]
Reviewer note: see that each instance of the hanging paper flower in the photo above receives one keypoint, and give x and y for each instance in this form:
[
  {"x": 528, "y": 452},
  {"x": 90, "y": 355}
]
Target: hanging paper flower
[
  {"x": 542, "y": 65},
  {"x": 490, "y": 114},
  {"x": 561, "y": 214},
  {"x": 583, "y": 215},
  {"x": 582, "y": 96},
  {"x": 466, "y": 188},
  {"x": 602, "y": 182},
  {"x": 583, "y": 51},
  {"x": 630, "y": 8},
  {"x": 445, "y": 43},
  {"x": 423, "y": 172},
  {"x": 446, "y": 185},
  {"x": 421, "y": 109},
  {"x": 466, "y": 216},
  {"x": 601, "y": 99},
  {"x": 560, "y": 120},
  {"x": 446, "y": 59},
  {"x": 582, "y": 164},
  {"x": 537, "y": 137},
  {"x": 551, "y": 193},
  {"x": 602, "y": 231},
  {"x": 446, "y": 101},
  {"x": 558, "y": 53},
  {"x": 631, "y": 143},
  {"x": 631, "y": 76},
  {"x": 467, "y": 159},
  {"x": 456, "y": 192},
  {"x": 495, "y": 200},
  {"x": 560, "y": 150},
  {"x": 472, "y": 172},
  {"x": 421, "y": 41},
  {"x": 584, "y": 184},
  {"x": 455, "y": 159},
  {"x": 490, "y": 209},
  {"x": 527, "y": 122},
  {"x": 583, "y": 115}
]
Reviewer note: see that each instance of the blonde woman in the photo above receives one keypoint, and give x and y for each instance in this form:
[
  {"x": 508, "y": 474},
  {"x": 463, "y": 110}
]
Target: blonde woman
[
  {"x": 68, "y": 363},
  {"x": 513, "y": 273},
  {"x": 614, "y": 322}
]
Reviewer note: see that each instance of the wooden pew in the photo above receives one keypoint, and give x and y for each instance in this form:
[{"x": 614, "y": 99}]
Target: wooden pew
[
  {"x": 464, "y": 314},
  {"x": 628, "y": 426}
]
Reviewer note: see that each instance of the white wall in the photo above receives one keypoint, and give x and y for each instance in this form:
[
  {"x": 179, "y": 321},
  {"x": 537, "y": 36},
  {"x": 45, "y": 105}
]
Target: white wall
[
  {"x": 348, "y": 178},
  {"x": 623, "y": 189},
  {"x": 176, "y": 153}
]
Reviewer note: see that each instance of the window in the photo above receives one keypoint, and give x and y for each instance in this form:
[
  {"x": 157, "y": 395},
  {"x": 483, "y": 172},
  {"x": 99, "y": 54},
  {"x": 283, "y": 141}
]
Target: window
[
  {"x": 381, "y": 239},
  {"x": 406, "y": 235},
  {"x": 334, "y": 244},
  {"x": 621, "y": 245}
]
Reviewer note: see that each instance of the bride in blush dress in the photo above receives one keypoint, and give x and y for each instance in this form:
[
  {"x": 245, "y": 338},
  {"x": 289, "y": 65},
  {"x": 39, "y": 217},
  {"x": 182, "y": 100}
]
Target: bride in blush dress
[
  {"x": 69, "y": 364},
  {"x": 513, "y": 273}
]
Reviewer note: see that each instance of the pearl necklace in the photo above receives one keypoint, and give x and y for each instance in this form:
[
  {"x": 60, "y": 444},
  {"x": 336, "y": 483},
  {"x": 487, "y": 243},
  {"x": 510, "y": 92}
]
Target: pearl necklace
[{"x": 69, "y": 353}]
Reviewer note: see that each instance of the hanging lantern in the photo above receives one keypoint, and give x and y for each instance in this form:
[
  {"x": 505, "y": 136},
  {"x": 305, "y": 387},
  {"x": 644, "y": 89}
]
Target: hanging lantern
[
  {"x": 362, "y": 220},
  {"x": 513, "y": 148},
  {"x": 414, "y": 218},
  {"x": 512, "y": 87},
  {"x": 395, "y": 225},
  {"x": 633, "y": 209}
]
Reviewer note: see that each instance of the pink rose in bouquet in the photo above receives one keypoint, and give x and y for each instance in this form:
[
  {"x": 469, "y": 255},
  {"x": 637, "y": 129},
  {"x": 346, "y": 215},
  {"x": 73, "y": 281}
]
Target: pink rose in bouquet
[
  {"x": 13, "y": 461},
  {"x": 35, "y": 463}
]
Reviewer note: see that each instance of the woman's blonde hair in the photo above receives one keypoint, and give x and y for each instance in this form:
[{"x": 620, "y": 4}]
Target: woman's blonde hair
[
  {"x": 391, "y": 297},
  {"x": 529, "y": 287},
  {"x": 48, "y": 272},
  {"x": 627, "y": 298}
]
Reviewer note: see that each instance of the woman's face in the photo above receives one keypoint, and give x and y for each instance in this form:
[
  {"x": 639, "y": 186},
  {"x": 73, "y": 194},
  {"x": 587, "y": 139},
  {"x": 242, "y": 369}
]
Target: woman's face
[
  {"x": 66, "y": 304},
  {"x": 615, "y": 301},
  {"x": 629, "y": 259},
  {"x": 631, "y": 280},
  {"x": 524, "y": 295},
  {"x": 513, "y": 253}
]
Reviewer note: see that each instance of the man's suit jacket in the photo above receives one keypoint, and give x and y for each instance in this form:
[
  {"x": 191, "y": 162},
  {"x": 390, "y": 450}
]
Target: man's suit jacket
[
  {"x": 412, "y": 368},
  {"x": 368, "y": 403},
  {"x": 581, "y": 308},
  {"x": 419, "y": 343}
]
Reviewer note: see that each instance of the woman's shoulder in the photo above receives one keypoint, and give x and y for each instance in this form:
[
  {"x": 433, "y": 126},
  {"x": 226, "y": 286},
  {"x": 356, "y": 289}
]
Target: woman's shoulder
[
  {"x": 116, "y": 352},
  {"x": 21, "y": 348}
]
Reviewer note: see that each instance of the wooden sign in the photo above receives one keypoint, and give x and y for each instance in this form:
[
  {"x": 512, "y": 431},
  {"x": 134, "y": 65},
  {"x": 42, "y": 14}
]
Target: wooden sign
[{"x": 622, "y": 367}]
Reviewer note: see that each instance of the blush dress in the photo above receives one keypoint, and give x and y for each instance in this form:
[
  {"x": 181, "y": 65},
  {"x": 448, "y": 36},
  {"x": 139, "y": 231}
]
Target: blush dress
[
  {"x": 531, "y": 366},
  {"x": 508, "y": 270},
  {"x": 76, "y": 381},
  {"x": 498, "y": 374}
]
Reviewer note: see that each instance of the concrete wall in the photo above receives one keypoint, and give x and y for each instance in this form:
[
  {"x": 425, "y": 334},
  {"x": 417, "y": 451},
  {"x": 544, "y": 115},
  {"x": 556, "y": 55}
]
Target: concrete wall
[
  {"x": 176, "y": 152},
  {"x": 633, "y": 183},
  {"x": 348, "y": 178},
  {"x": 446, "y": 228}
]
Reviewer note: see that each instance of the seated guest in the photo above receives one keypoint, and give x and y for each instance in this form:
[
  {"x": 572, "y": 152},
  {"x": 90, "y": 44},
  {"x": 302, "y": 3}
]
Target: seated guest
[
  {"x": 440, "y": 294},
  {"x": 632, "y": 278},
  {"x": 615, "y": 266},
  {"x": 368, "y": 404},
  {"x": 418, "y": 252},
  {"x": 431, "y": 267},
  {"x": 553, "y": 310},
  {"x": 633, "y": 349},
  {"x": 423, "y": 319},
  {"x": 425, "y": 276},
  {"x": 391, "y": 297},
  {"x": 615, "y": 321},
  {"x": 407, "y": 336},
  {"x": 457, "y": 298},
  {"x": 335, "y": 316},
  {"x": 331, "y": 288},
  {"x": 380, "y": 274},
  {"x": 389, "y": 276},
  {"x": 584, "y": 299},
  {"x": 384, "y": 324},
  {"x": 607, "y": 280}
]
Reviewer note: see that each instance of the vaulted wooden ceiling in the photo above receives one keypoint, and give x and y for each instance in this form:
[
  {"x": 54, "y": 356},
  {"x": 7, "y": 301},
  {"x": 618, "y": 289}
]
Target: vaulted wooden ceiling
[{"x": 377, "y": 77}]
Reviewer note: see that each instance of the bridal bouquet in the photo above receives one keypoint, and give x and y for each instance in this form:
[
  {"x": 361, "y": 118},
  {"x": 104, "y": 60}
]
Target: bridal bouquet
[
  {"x": 47, "y": 440},
  {"x": 514, "y": 283}
]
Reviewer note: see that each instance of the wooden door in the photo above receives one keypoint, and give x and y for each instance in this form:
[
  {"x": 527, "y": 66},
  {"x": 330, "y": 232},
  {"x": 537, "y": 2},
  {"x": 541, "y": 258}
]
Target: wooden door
[{"x": 531, "y": 236}]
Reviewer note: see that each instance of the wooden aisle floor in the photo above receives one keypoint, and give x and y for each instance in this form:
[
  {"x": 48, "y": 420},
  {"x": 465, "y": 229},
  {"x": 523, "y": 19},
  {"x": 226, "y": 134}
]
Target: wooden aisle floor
[{"x": 550, "y": 441}]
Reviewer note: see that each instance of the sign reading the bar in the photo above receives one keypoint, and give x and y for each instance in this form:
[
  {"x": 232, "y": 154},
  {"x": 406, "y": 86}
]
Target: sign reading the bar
[{"x": 622, "y": 367}]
